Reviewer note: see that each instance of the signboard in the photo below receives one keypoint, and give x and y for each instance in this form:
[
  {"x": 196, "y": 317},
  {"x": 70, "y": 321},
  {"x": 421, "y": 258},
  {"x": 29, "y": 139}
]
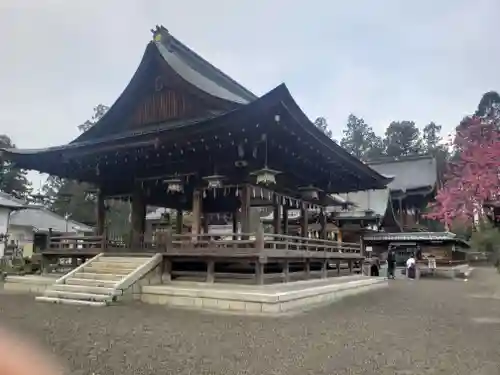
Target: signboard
[{"x": 369, "y": 249}]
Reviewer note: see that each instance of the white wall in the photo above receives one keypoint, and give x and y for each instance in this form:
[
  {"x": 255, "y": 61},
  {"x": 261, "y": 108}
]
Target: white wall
[
  {"x": 24, "y": 237},
  {"x": 4, "y": 225}
]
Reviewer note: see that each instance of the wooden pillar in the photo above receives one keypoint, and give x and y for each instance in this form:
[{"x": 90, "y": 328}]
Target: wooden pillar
[
  {"x": 210, "y": 271},
  {"x": 259, "y": 273},
  {"x": 101, "y": 214},
  {"x": 235, "y": 225},
  {"x": 285, "y": 220},
  {"x": 197, "y": 203},
  {"x": 245, "y": 209},
  {"x": 277, "y": 218},
  {"x": 179, "y": 221},
  {"x": 322, "y": 223},
  {"x": 205, "y": 223},
  {"x": 304, "y": 220},
  {"x": 138, "y": 219},
  {"x": 324, "y": 268},
  {"x": 307, "y": 268}
]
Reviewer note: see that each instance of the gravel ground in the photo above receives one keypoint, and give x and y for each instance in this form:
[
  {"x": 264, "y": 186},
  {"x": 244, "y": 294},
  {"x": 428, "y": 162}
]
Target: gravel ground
[{"x": 413, "y": 327}]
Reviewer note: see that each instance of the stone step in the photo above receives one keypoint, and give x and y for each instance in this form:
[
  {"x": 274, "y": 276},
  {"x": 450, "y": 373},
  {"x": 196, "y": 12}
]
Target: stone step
[
  {"x": 69, "y": 301},
  {"x": 117, "y": 265},
  {"x": 108, "y": 270},
  {"x": 91, "y": 282},
  {"x": 78, "y": 295},
  {"x": 98, "y": 276},
  {"x": 123, "y": 259},
  {"x": 86, "y": 289}
]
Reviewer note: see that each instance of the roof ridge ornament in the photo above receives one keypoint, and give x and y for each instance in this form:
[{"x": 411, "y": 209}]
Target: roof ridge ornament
[{"x": 161, "y": 34}]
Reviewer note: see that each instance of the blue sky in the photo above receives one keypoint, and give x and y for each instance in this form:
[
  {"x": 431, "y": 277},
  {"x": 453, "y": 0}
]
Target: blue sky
[{"x": 382, "y": 60}]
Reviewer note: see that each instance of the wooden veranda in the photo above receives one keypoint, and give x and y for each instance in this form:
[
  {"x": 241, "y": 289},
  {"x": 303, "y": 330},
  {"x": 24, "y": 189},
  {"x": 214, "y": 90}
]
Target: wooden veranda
[{"x": 244, "y": 255}]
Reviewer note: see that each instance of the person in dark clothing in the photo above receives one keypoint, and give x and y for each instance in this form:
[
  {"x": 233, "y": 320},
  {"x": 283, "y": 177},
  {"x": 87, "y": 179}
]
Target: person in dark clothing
[{"x": 391, "y": 264}]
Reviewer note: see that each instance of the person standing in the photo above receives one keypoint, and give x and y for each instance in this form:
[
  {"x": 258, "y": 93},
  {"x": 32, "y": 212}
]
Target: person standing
[
  {"x": 391, "y": 264},
  {"x": 411, "y": 267}
]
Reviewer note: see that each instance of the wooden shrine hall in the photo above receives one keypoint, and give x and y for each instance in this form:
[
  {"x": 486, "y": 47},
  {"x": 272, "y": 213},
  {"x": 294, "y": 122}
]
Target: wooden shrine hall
[{"x": 184, "y": 135}]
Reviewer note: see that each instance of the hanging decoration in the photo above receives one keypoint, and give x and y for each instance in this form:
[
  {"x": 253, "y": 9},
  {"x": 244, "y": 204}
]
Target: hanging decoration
[
  {"x": 91, "y": 195},
  {"x": 174, "y": 185},
  {"x": 265, "y": 176},
  {"x": 215, "y": 181},
  {"x": 309, "y": 192}
]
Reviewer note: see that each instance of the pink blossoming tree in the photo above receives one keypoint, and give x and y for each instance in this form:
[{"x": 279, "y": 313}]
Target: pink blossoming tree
[{"x": 472, "y": 177}]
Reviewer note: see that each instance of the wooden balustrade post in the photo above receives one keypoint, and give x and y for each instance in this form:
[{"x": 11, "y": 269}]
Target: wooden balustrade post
[{"x": 259, "y": 240}]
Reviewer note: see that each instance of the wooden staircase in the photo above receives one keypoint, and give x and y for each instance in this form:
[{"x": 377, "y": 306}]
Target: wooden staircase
[{"x": 100, "y": 281}]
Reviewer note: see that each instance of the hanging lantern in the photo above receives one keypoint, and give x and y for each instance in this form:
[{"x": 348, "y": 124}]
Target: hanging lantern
[
  {"x": 309, "y": 192},
  {"x": 91, "y": 195},
  {"x": 215, "y": 181},
  {"x": 265, "y": 176},
  {"x": 174, "y": 185},
  {"x": 38, "y": 198}
]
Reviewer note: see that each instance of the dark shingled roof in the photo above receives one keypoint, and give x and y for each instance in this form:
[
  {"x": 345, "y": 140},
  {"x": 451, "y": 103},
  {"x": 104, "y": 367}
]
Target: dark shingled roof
[{"x": 197, "y": 71}]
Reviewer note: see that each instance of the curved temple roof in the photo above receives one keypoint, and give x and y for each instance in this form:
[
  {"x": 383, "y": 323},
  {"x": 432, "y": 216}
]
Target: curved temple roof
[
  {"x": 197, "y": 71},
  {"x": 209, "y": 80}
]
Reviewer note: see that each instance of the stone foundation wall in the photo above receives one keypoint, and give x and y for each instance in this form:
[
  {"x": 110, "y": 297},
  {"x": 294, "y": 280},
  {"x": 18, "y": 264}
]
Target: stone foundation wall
[
  {"x": 134, "y": 292},
  {"x": 258, "y": 303}
]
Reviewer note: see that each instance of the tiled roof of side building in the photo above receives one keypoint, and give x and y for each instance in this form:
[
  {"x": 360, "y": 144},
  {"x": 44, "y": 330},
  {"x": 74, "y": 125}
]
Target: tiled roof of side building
[
  {"x": 364, "y": 201},
  {"x": 410, "y": 173},
  {"x": 7, "y": 200},
  {"x": 43, "y": 219}
]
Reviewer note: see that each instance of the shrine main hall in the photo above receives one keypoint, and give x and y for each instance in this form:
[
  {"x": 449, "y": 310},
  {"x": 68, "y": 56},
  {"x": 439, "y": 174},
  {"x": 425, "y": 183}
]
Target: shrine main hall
[{"x": 185, "y": 136}]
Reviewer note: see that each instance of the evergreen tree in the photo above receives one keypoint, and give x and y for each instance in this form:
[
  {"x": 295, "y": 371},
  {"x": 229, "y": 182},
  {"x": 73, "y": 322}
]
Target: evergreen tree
[{"x": 13, "y": 180}]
